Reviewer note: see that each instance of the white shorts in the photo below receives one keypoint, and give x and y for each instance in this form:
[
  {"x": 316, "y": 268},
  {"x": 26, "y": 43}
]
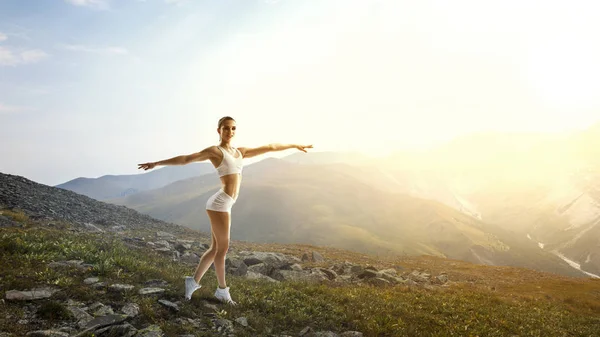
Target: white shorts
[{"x": 220, "y": 202}]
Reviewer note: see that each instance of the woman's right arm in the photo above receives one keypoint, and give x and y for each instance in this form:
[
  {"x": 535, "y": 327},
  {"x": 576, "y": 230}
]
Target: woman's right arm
[{"x": 181, "y": 160}]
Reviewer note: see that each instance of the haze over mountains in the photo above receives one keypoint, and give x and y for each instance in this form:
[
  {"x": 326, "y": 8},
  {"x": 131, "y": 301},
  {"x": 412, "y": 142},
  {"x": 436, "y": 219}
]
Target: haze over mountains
[{"x": 530, "y": 200}]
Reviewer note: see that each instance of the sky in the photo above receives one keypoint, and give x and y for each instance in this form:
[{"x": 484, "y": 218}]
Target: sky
[{"x": 94, "y": 87}]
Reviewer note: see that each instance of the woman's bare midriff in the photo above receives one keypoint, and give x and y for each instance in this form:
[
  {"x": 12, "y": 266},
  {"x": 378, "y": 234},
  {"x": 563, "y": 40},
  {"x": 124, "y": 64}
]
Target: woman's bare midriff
[{"x": 231, "y": 184}]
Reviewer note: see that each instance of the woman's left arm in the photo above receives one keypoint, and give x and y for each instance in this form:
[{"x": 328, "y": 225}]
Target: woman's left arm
[{"x": 252, "y": 152}]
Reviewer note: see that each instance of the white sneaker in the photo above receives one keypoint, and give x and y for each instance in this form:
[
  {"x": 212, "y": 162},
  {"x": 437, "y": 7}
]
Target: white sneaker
[
  {"x": 190, "y": 286},
  {"x": 224, "y": 296}
]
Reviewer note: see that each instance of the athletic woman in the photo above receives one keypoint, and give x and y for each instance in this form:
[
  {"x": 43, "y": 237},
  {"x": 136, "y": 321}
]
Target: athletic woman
[{"x": 228, "y": 162}]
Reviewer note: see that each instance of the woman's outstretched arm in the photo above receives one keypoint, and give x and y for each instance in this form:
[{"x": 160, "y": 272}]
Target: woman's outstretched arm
[
  {"x": 181, "y": 160},
  {"x": 252, "y": 152}
]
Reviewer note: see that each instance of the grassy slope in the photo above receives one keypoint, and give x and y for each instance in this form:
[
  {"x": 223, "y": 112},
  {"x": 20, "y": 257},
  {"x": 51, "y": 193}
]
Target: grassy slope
[{"x": 484, "y": 301}]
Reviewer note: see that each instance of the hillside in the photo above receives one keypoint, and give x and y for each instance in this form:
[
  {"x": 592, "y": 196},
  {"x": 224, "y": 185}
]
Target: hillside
[
  {"x": 542, "y": 187},
  {"x": 337, "y": 205},
  {"x": 81, "y": 282}
]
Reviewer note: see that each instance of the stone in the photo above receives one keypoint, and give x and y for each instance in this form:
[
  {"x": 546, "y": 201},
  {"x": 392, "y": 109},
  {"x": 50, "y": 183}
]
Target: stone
[
  {"x": 151, "y": 331},
  {"x": 91, "y": 280},
  {"x": 351, "y": 334},
  {"x": 316, "y": 257},
  {"x": 131, "y": 309},
  {"x": 256, "y": 276},
  {"x": 223, "y": 325},
  {"x": 47, "y": 333},
  {"x": 29, "y": 295},
  {"x": 243, "y": 321},
  {"x": 169, "y": 305},
  {"x": 80, "y": 315},
  {"x": 103, "y": 321},
  {"x": 121, "y": 287},
  {"x": 150, "y": 291}
]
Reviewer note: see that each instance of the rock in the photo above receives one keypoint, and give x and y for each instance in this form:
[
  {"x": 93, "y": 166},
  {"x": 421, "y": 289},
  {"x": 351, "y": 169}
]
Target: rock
[
  {"x": 305, "y": 331},
  {"x": 164, "y": 250},
  {"x": 103, "y": 321},
  {"x": 329, "y": 273},
  {"x": 325, "y": 334},
  {"x": 223, "y": 325},
  {"x": 149, "y": 291},
  {"x": 243, "y": 321},
  {"x": 442, "y": 278},
  {"x": 33, "y": 294},
  {"x": 91, "y": 280},
  {"x": 169, "y": 305},
  {"x": 131, "y": 309},
  {"x": 99, "y": 285},
  {"x": 190, "y": 258},
  {"x": 121, "y": 287},
  {"x": 82, "y": 317},
  {"x": 419, "y": 277},
  {"x": 378, "y": 281},
  {"x": 71, "y": 263},
  {"x": 118, "y": 228},
  {"x": 99, "y": 309},
  {"x": 156, "y": 283},
  {"x": 47, "y": 333},
  {"x": 316, "y": 257},
  {"x": 236, "y": 266},
  {"x": 164, "y": 235},
  {"x": 182, "y": 247},
  {"x": 367, "y": 273},
  {"x": 151, "y": 331},
  {"x": 261, "y": 268},
  {"x": 163, "y": 243},
  {"x": 351, "y": 334},
  {"x": 275, "y": 260},
  {"x": 314, "y": 275},
  {"x": 256, "y": 276},
  {"x": 122, "y": 330}
]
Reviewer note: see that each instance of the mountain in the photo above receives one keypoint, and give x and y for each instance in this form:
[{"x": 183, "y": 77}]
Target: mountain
[
  {"x": 114, "y": 186},
  {"x": 65, "y": 277},
  {"x": 327, "y": 205},
  {"x": 543, "y": 187},
  {"x": 47, "y": 203}
]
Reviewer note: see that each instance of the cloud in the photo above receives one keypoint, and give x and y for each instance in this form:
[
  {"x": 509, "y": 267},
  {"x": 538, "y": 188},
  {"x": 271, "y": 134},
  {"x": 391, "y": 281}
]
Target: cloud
[
  {"x": 96, "y": 4},
  {"x": 97, "y": 50},
  {"x": 6, "y": 109},
  {"x": 3, "y": 37},
  {"x": 12, "y": 57},
  {"x": 176, "y": 2}
]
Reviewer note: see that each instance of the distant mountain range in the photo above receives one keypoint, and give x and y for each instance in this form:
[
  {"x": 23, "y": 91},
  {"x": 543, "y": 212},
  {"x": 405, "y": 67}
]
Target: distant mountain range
[
  {"x": 528, "y": 200},
  {"x": 114, "y": 186}
]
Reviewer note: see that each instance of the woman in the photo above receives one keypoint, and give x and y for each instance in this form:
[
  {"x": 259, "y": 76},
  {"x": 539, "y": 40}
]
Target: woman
[{"x": 228, "y": 162}]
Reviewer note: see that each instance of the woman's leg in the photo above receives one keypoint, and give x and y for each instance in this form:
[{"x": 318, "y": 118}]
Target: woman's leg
[
  {"x": 220, "y": 223},
  {"x": 207, "y": 259}
]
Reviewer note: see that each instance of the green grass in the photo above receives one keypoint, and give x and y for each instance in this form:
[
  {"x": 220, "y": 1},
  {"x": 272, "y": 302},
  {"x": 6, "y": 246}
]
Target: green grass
[{"x": 462, "y": 310}]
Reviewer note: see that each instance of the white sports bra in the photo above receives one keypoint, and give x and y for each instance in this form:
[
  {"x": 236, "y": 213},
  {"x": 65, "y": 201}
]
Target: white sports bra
[{"x": 230, "y": 164}]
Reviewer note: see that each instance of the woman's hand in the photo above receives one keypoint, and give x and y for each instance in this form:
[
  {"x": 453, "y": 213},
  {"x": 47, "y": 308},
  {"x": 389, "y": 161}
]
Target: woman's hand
[
  {"x": 303, "y": 147},
  {"x": 147, "y": 166}
]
